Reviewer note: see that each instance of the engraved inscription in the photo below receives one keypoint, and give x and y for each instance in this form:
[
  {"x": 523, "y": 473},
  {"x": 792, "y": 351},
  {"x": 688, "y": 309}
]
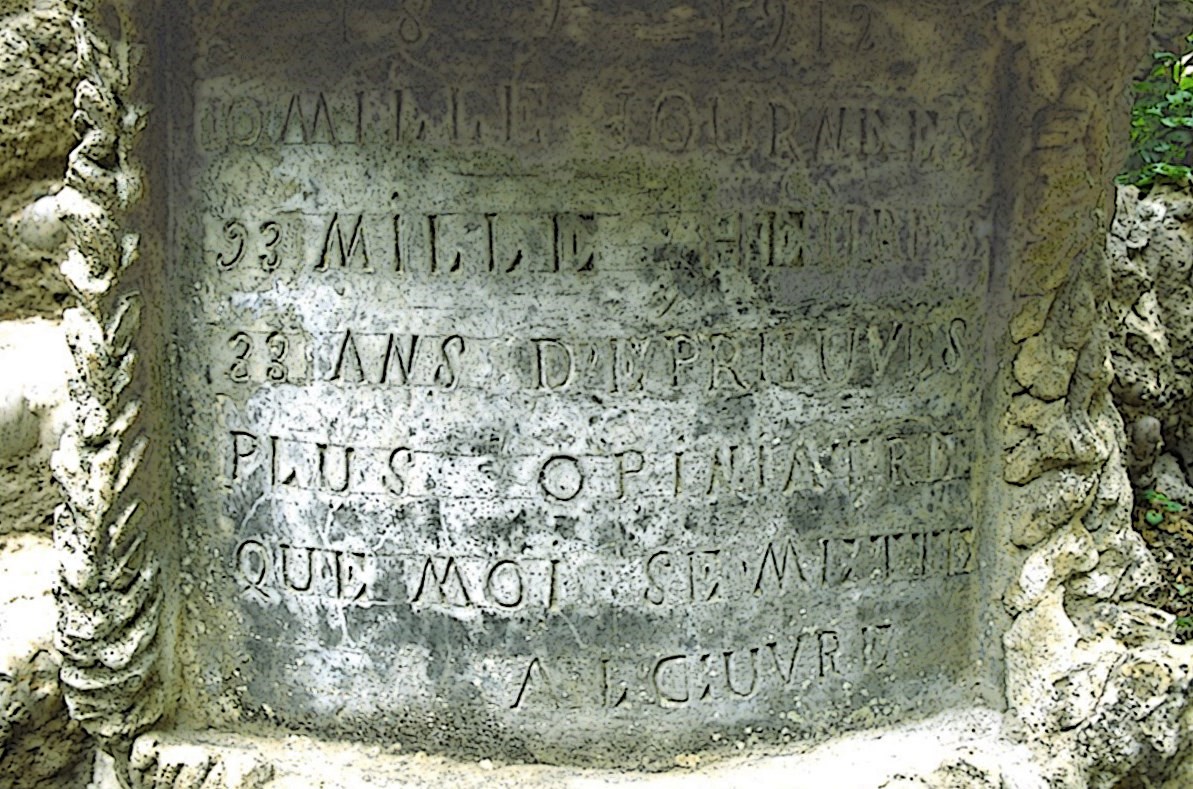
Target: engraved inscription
[
  {"x": 574, "y": 244},
  {"x": 791, "y": 567},
  {"x": 874, "y": 350},
  {"x": 394, "y": 360},
  {"x": 742, "y": 121},
  {"x": 736, "y": 362},
  {"x": 677, "y": 680},
  {"x": 262, "y": 356},
  {"x": 781, "y": 465},
  {"x": 585, "y": 370},
  {"x": 454, "y": 584}
]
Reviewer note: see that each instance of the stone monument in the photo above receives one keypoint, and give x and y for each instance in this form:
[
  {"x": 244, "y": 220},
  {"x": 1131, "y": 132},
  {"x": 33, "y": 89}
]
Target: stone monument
[{"x": 589, "y": 383}]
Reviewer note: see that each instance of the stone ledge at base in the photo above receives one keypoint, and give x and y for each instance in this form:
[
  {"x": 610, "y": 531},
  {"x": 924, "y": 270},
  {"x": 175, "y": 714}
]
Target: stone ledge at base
[{"x": 968, "y": 748}]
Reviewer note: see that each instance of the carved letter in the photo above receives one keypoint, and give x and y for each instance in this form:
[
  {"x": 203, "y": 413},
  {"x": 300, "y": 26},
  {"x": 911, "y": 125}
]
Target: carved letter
[
  {"x": 508, "y": 593},
  {"x": 829, "y": 645},
  {"x": 244, "y": 121},
  {"x": 829, "y": 132},
  {"x": 252, "y": 559},
  {"x": 347, "y": 464},
  {"x": 349, "y": 354},
  {"x": 606, "y": 686},
  {"x": 720, "y": 133},
  {"x": 778, "y": 565},
  {"x": 351, "y": 576},
  {"x": 628, "y": 462},
  {"x": 679, "y": 359},
  {"x": 656, "y": 676},
  {"x": 345, "y": 253},
  {"x": 553, "y": 364},
  {"x": 789, "y": 674},
  {"x": 725, "y": 361},
  {"x": 244, "y": 446},
  {"x": 881, "y": 351},
  {"x": 397, "y": 485},
  {"x": 655, "y": 592},
  {"x": 960, "y": 552},
  {"x": 305, "y": 586},
  {"x": 447, "y": 373},
  {"x": 753, "y": 673},
  {"x": 561, "y": 477},
  {"x": 805, "y": 471},
  {"x": 674, "y": 122},
  {"x": 308, "y": 133},
  {"x": 876, "y": 646},
  {"x": 783, "y": 143},
  {"x": 952, "y": 354},
  {"x": 573, "y": 238},
  {"x": 629, "y": 363},
  {"x": 441, "y": 581},
  {"x": 723, "y": 471},
  {"x": 542, "y": 678},
  {"x": 405, "y": 360},
  {"x": 275, "y": 464},
  {"x": 838, "y": 360}
]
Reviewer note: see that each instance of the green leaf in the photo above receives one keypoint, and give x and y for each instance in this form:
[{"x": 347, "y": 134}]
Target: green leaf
[
  {"x": 1161, "y": 128},
  {"x": 1153, "y": 518},
  {"x": 1177, "y": 172}
]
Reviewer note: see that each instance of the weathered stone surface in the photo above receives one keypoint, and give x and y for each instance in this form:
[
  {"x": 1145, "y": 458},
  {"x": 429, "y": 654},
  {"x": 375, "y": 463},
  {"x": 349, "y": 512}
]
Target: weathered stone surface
[
  {"x": 110, "y": 527},
  {"x": 40, "y": 746},
  {"x": 1088, "y": 672},
  {"x": 943, "y": 751},
  {"x": 31, "y": 248},
  {"x": 1173, "y": 22},
  {"x": 1152, "y": 332},
  {"x": 589, "y": 374},
  {"x": 37, "y": 81},
  {"x": 157, "y": 763},
  {"x": 602, "y": 383},
  {"x": 33, "y": 415}
]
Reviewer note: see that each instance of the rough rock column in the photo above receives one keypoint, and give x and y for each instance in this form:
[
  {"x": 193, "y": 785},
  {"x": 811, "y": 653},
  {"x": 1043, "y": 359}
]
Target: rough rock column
[{"x": 1089, "y": 671}]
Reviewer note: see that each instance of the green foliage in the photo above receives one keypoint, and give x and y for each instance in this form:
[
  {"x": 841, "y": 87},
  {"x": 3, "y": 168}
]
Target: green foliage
[
  {"x": 1162, "y": 125},
  {"x": 1163, "y": 524},
  {"x": 1158, "y": 505}
]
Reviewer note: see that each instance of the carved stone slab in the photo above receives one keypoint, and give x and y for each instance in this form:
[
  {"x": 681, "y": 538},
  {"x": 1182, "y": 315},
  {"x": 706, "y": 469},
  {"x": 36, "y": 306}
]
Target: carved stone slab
[
  {"x": 600, "y": 383},
  {"x": 583, "y": 381}
]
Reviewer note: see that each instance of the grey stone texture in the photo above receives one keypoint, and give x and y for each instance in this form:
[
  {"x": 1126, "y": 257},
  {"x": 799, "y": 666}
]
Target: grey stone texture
[{"x": 581, "y": 372}]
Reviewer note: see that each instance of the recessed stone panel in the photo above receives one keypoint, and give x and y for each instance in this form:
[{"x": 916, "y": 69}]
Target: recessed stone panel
[{"x": 580, "y": 381}]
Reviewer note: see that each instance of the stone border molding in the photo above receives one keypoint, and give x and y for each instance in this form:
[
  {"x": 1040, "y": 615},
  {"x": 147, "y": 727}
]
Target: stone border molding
[{"x": 110, "y": 596}]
